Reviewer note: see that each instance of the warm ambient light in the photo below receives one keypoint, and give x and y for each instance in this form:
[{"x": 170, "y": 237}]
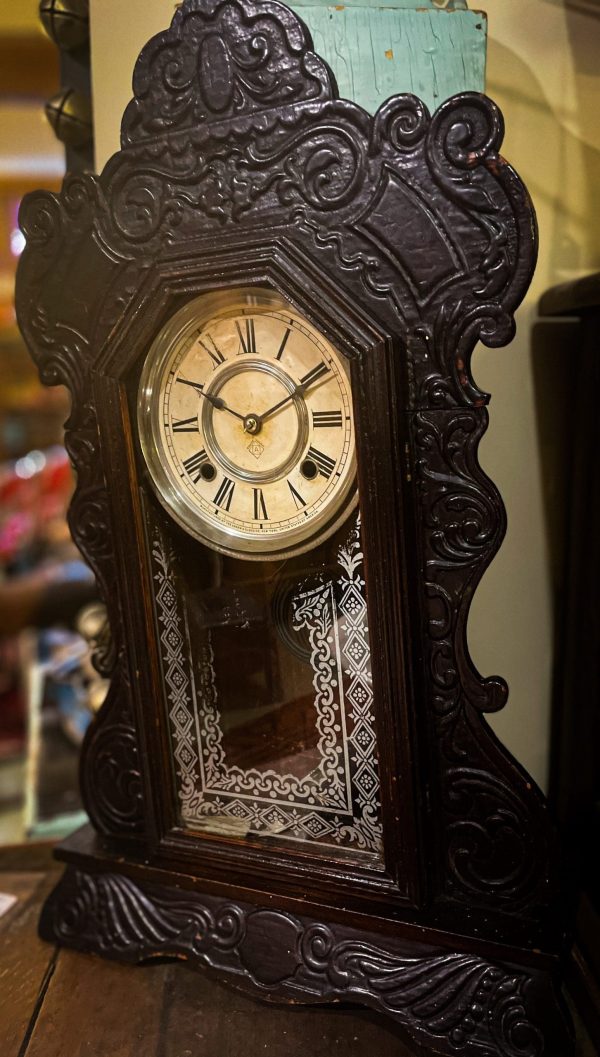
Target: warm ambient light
[{"x": 17, "y": 242}]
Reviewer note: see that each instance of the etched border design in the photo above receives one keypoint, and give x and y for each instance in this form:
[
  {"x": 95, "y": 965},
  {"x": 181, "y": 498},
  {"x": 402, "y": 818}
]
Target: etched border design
[
  {"x": 328, "y": 787},
  {"x": 340, "y": 805}
]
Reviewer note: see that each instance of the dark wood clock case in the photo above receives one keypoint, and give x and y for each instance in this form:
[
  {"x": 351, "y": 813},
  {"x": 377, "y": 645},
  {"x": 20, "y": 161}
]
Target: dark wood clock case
[{"x": 405, "y": 238}]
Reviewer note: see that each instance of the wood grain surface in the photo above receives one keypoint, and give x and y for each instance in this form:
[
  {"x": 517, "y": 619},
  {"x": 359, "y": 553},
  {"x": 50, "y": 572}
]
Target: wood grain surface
[{"x": 25, "y": 961}]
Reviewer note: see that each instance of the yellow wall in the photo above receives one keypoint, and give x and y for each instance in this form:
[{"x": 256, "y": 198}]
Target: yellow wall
[
  {"x": 543, "y": 70},
  {"x": 27, "y": 143},
  {"x": 19, "y": 16},
  {"x": 28, "y": 146}
]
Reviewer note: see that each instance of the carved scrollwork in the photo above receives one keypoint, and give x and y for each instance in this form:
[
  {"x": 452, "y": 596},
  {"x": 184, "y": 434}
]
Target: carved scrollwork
[
  {"x": 219, "y": 60},
  {"x": 457, "y": 327},
  {"x": 139, "y": 205},
  {"x": 322, "y": 166},
  {"x": 452, "y": 996},
  {"x": 133, "y": 921},
  {"x": 44, "y": 217},
  {"x": 496, "y": 840},
  {"x": 465, "y": 132},
  {"x": 40, "y": 218},
  {"x": 461, "y": 516},
  {"x": 450, "y": 1000},
  {"x": 403, "y": 121},
  {"x": 491, "y": 836},
  {"x": 111, "y": 782},
  {"x": 270, "y": 152}
]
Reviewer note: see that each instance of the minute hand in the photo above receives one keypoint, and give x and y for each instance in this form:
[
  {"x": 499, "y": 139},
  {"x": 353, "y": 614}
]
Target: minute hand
[{"x": 309, "y": 379}]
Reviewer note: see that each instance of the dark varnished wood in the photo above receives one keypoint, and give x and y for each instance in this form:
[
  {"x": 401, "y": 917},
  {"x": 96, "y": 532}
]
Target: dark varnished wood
[
  {"x": 74, "y": 1003},
  {"x": 575, "y": 759},
  {"x": 69, "y": 1003},
  {"x": 406, "y": 238},
  {"x": 444, "y": 999}
]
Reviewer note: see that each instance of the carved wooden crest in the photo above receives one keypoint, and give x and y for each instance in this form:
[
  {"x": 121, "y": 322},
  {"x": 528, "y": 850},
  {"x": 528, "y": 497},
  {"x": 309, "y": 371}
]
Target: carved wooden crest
[{"x": 408, "y": 238}]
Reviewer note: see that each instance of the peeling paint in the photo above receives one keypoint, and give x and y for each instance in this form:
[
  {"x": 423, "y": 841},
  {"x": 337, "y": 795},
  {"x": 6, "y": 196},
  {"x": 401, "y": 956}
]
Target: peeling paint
[{"x": 377, "y": 51}]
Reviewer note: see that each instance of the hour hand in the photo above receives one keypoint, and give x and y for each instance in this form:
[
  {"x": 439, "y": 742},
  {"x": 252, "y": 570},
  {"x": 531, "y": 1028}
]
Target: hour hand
[
  {"x": 194, "y": 385},
  {"x": 216, "y": 401}
]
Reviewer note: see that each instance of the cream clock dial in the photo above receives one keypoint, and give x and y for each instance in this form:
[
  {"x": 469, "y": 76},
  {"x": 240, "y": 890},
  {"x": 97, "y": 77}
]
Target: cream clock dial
[{"x": 245, "y": 419}]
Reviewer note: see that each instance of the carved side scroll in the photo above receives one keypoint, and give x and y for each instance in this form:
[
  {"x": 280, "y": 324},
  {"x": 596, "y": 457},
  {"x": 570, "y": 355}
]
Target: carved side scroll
[
  {"x": 53, "y": 226},
  {"x": 495, "y": 830}
]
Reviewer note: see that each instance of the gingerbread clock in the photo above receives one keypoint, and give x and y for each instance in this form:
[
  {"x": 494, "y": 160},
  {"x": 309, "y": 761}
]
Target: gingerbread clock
[{"x": 264, "y": 309}]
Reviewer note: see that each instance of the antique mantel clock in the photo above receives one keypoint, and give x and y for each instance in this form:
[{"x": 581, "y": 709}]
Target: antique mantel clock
[{"x": 264, "y": 309}]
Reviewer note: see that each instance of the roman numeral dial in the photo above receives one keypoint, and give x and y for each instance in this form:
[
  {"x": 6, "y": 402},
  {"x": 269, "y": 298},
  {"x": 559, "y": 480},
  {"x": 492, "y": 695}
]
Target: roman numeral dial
[
  {"x": 247, "y": 336},
  {"x": 224, "y": 493},
  {"x": 260, "y": 508},
  {"x": 316, "y": 374},
  {"x": 194, "y": 463},
  {"x": 326, "y": 419},
  {"x": 185, "y": 425},
  {"x": 245, "y": 417}
]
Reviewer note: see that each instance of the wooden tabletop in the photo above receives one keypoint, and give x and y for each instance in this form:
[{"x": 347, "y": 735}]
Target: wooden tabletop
[{"x": 57, "y": 1003}]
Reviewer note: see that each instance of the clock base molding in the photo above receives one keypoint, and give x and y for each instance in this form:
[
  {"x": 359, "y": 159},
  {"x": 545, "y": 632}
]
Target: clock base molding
[{"x": 444, "y": 993}]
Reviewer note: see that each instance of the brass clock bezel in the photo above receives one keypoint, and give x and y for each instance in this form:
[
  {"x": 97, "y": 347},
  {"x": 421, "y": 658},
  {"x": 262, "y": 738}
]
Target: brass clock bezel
[{"x": 285, "y": 544}]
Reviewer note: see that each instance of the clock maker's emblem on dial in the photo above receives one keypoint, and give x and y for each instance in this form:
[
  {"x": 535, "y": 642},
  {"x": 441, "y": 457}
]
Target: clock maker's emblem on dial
[
  {"x": 256, "y": 449},
  {"x": 246, "y": 423}
]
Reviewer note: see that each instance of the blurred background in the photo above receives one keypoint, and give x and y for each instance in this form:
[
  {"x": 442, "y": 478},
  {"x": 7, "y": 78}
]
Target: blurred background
[{"x": 48, "y": 688}]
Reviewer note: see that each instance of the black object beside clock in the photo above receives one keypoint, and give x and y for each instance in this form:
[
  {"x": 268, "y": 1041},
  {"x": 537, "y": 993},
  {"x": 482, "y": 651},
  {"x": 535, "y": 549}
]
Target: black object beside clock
[{"x": 264, "y": 309}]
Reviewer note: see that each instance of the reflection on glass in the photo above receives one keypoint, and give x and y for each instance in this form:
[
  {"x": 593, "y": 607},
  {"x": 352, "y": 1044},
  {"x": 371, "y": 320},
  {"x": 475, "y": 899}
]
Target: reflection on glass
[{"x": 268, "y": 680}]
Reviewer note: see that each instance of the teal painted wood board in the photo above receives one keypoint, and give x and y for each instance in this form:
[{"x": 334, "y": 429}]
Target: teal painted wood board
[{"x": 375, "y": 52}]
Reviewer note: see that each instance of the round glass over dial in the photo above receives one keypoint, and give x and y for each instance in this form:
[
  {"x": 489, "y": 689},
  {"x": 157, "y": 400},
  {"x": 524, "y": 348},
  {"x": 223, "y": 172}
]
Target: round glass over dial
[{"x": 245, "y": 419}]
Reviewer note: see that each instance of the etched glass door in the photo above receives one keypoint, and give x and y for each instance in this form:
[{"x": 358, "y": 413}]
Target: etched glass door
[{"x": 267, "y": 677}]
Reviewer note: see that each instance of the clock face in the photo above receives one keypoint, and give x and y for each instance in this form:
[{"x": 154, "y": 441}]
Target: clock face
[{"x": 245, "y": 419}]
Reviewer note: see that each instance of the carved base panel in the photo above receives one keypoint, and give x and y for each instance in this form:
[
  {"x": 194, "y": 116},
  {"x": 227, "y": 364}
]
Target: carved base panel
[{"x": 447, "y": 1001}]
